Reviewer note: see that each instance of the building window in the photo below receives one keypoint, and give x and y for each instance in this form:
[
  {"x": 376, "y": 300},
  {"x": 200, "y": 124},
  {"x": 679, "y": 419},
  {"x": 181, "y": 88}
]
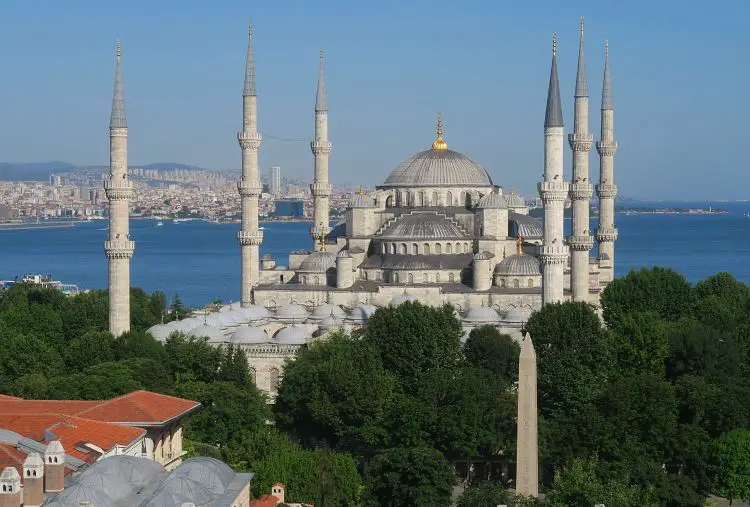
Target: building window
[
  {"x": 426, "y": 248},
  {"x": 403, "y": 248},
  {"x": 438, "y": 248},
  {"x": 410, "y": 278},
  {"x": 515, "y": 283},
  {"x": 425, "y": 277},
  {"x": 253, "y": 375},
  {"x": 502, "y": 283},
  {"x": 395, "y": 277},
  {"x": 451, "y": 277},
  {"x": 393, "y": 248},
  {"x": 414, "y": 249},
  {"x": 458, "y": 247},
  {"x": 389, "y": 202},
  {"x": 364, "y": 275},
  {"x": 382, "y": 248},
  {"x": 273, "y": 375},
  {"x": 304, "y": 280},
  {"x": 434, "y": 199},
  {"x": 531, "y": 282},
  {"x": 448, "y": 248},
  {"x": 437, "y": 277}
]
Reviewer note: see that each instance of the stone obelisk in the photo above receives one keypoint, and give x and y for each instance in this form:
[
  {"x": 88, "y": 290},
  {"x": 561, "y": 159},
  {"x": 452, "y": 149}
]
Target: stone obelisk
[{"x": 527, "y": 451}]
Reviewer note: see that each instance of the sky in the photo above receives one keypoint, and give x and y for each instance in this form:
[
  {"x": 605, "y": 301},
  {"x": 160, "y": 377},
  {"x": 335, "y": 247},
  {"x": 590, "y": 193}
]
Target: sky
[{"x": 680, "y": 72}]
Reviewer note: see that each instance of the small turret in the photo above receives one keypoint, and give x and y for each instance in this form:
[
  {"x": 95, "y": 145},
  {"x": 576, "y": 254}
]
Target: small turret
[
  {"x": 33, "y": 480},
  {"x": 54, "y": 467},
  {"x": 10, "y": 488}
]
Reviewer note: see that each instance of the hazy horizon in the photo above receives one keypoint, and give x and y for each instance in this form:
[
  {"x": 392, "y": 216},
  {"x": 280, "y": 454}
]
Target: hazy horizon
[{"x": 390, "y": 68}]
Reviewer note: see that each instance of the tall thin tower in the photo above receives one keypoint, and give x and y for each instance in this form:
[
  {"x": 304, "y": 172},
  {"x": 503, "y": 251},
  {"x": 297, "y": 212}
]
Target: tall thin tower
[
  {"x": 554, "y": 252},
  {"x": 321, "y": 148},
  {"x": 580, "y": 241},
  {"x": 606, "y": 234},
  {"x": 527, "y": 441},
  {"x": 118, "y": 247},
  {"x": 249, "y": 187}
]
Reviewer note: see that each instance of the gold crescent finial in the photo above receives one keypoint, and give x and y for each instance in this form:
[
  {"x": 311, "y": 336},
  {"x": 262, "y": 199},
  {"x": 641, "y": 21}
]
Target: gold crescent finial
[
  {"x": 322, "y": 239},
  {"x": 360, "y": 190},
  {"x": 554, "y": 43},
  {"x": 581, "y": 25},
  {"x": 118, "y": 50},
  {"x": 519, "y": 245},
  {"x": 440, "y": 143}
]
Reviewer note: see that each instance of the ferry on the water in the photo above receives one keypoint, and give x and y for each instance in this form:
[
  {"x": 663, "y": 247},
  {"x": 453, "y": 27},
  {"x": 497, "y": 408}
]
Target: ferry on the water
[{"x": 69, "y": 289}]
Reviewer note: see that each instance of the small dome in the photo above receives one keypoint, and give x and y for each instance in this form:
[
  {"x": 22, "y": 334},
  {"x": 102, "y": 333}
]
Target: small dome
[
  {"x": 403, "y": 298},
  {"x": 183, "y": 326},
  {"x": 482, "y": 314},
  {"x": 210, "y": 472},
  {"x": 238, "y": 316},
  {"x": 518, "y": 315},
  {"x": 483, "y": 256},
  {"x": 266, "y": 257},
  {"x": 492, "y": 201},
  {"x": 226, "y": 320},
  {"x": 249, "y": 334},
  {"x": 206, "y": 331},
  {"x": 424, "y": 225},
  {"x": 160, "y": 332},
  {"x": 318, "y": 262},
  {"x": 255, "y": 313},
  {"x": 330, "y": 322},
  {"x": 362, "y": 313},
  {"x": 327, "y": 310},
  {"x": 76, "y": 495},
  {"x": 292, "y": 335},
  {"x": 519, "y": 265},
  {"x": 291, "y": 312},
  {"x": 213, "y": 320},
  {"x": 515, "y": 201},
  {"x": 184, "y": 489},
  {"x": 361, "y": 200}
]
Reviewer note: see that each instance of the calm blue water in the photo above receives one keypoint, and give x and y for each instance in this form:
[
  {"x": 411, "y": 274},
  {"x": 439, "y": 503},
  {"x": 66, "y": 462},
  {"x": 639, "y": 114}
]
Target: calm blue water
[{"x": 200, "y": 261}]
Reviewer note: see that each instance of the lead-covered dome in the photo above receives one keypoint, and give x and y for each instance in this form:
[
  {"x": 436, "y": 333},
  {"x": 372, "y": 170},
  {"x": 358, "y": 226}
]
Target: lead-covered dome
[
  {"x": 424, "y": 225},
  {"x": 519, "y": 265},
  {"x": 439, "y": 168},
  {"x": 318, "y": 262}
]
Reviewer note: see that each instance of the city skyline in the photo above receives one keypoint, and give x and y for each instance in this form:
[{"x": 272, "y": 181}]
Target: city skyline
[{"x": 483, "y": 66}]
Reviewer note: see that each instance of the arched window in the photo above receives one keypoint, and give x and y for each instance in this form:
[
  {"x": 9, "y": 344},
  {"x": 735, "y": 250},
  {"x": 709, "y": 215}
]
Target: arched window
[
  {"x": 462, "y": 198},
  {"x": 437, "y": 277},
  {"x": 411, "y": 278},
  {"x": 304, "y": 280},
  {"x": 382, "y": 248},
  {"x": 451, "y": 278},
  {"x": 434, "y": 199},
  {"x": 466, "y": 248},
  {"x": 379, "y": 275},
  {"x": 393, "y": 248},
  {"x": 458, "y": 247},
  {"x": 515, "y": 283},
  {"x": 426, "y": 249},
  {"x": 438, "y": 248},
  {"x": 389, "y": 202},
  {"x": 364, "y": 275},
  {"x": 502, "y": 283},
  {"x": 414, "y": 249},
  {"x": 273, "y": 377},
  {"x": 425, "y": 277},
  {"x": 531, "y": 282},
  {"x": 403, "y": 248},
  {"x": 253, "y": 375},
  {"x": 406, "y": 198},
  {"x": 395, "y": 277},
  {"x": 422, "y": 201},
  {"x": 449, "y": 199},
  {"x": 448, "y": 248}
]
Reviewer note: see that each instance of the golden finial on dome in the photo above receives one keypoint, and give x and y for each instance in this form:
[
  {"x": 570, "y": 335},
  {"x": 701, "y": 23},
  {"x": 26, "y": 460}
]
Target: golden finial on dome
[
  {"x": 519, "y": 245},
  {"x": 360, "y": 190},
  {"x": 439, "y": 143},
  {"x": 321, "y": 239}
]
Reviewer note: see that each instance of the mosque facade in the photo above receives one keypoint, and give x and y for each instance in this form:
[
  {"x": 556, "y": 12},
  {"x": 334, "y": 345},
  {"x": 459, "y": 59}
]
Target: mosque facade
[{"x": 438, "y": 230}]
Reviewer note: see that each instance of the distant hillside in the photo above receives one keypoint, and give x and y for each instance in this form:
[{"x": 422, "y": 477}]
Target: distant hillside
[
  {"x": 169, "y": 166},
  {"x": 32, "y": 171}
]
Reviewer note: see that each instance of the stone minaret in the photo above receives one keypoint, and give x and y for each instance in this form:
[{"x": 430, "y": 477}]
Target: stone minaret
[
  {"x": 580, "y": 241},
  {"x": 250, "y": 187},
  {"x": 606, "y": 234},
  {"x": 118, "y": 247},
  {"x": 321, "y": 148},
  {"x": 553, "y": 190},
  {"x": 527, "y": 442}
]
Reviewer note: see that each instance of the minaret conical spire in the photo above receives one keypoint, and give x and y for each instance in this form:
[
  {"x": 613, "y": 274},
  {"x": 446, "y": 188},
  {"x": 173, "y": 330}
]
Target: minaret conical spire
[
  {"x": 321, "y": 103},
  {"x": 249, "y": 89},
  {"x": 553, "y": 116},
  {"x": 117, "y": 118},
  {"x": 582, "y": 89},
  {"x": 607, "y": 87}
]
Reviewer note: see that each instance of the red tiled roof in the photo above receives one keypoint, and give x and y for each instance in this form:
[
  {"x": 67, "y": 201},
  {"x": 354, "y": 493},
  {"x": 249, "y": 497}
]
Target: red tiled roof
[
  {"x": 265, "y": 501},
  {"x": 11, "y": 457},
  {"x": 8, "y": 397},
  {"x": 142, "y": 407}
]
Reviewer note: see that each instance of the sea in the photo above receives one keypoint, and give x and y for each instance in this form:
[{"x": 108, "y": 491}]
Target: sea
[{"x": 200, "y": 261}]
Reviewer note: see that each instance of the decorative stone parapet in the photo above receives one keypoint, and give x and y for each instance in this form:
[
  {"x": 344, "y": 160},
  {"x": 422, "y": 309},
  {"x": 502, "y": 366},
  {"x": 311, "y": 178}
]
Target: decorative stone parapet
[
  {"x": 321, "y": 147},
  {"x": 580, "y": 141},
  {"x": 249, "y": 140},
  {"x": 119, "y": 248},
  {"x": 250, "y": 237},
  {"x": 118, "y": 189},
  {"x": 606, "y": 234},
  {"x": 606, "y": 148},
  {"x": 582, "y": 243},
  {"x": 321, "y": 189},
  {"x": 606, "y": 191},
  {"x": 581, "y": 191},
  {"x": 249, "y": 188}
]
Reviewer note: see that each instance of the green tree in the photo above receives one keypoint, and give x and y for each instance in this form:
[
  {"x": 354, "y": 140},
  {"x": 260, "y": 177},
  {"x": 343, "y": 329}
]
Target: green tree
[
  {"x": 731, "y": 465},
  {"x": 177, "y": 309},
  {"x": 696, "y": 349},
  {"x": 640, "y": 342},
  {"x": 24, "y": 355},
  {"x": 484, "y": 494},
  {"x": 414, "y": 477},
  {"x": 92, "y": 348},
  {"x": 487, "y": 348},
  {"x": 413, "y": 339},
  {"x": 138, "y": 344},
  {"x": 86, "y": 312},
  {"x": 192, "y": 358}
]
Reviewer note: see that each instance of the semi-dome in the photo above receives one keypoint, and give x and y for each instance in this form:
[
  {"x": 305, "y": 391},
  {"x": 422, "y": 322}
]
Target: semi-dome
[
  {"x": 482, "y": 256},
  {"x": 424, "y": 225},
  {"x": 206, "y": 331},
  {"x": 519, "y": 265},
  {"x": 249, "y": 334},
  {"x": 291, "y": 312},
  {"x": 439, "y": 168},
  {"x": 318, "y": 262},
  {"x": 327, "y": 310},
  {"x": 492, "y": 201},
  {"x": 518, "y": 315},
  {"x": 292, "y": 335},
  {"x": 482, "y": 314}
]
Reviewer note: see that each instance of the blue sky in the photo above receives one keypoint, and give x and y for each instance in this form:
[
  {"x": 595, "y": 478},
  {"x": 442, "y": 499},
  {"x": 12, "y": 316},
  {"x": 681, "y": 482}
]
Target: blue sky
[{"x": 680, "y": 75}]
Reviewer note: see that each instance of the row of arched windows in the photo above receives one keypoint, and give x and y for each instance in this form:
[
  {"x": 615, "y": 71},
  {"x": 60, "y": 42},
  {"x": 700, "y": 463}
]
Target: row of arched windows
[
  {"x": 406, "y": 198},
  {"x": 425, "y": 248},
  {"x": 515, "y": 283},
  {"x": 425, "y": 278}
]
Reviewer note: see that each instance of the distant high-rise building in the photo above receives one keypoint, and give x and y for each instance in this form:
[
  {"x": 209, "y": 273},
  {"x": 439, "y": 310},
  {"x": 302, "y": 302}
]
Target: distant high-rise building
[{"x": 274, "y": 184}]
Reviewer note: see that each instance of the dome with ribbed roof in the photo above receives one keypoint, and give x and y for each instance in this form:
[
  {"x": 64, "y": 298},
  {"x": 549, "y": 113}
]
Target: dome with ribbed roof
[
  {"x": 255, "y": 312},
  {"x": 318, "y": 262},
  {"x": 291, "y": 312},
  {"x": 423, "y": 225},
  {"x": 292, "y": 335},
  {"x": 249, "y": 334},
  {"x": 330, "y": 322},
  {"x": 519, "y": 265},
  {"x": 482, "y": 314},
  {"x": 362, "y": 313},
  {"x": 205, "y": 331},
  {"x": 361, "y": 200},
  {"x": 492, "y": 201},
  {"x": 327, "y": 310},
  {"x": 438, "y": 168},
  {"x": 515, "y": 201}
]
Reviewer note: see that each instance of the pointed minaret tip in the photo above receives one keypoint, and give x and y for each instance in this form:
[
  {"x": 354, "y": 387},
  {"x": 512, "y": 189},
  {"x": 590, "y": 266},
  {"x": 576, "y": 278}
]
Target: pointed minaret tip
[
  {"x": 117, "y": 118},
  {"x": 249, "y": 88},
  {"x": 321, "y": 102},
  {"x": 607, "y": 86},
  {"x": 582, "y": 89},
  {"x": 553, "y": 115}
]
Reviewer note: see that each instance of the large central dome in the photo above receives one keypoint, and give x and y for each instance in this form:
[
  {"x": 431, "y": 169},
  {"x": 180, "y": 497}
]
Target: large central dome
[{"x": 439, "y": 167}]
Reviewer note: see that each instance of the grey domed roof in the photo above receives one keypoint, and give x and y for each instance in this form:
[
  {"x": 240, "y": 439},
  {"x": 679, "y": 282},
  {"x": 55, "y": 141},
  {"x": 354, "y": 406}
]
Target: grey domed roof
[
  {"x": 206, "y": 331},
  {"x": 492, "y": 201},
  {"x": 515, "y": 201},
  {"x": 183, "y": 489},
  {"x": 255, "y": 312},
  {"x": 330, "y": 322},
  {"x": 479, "y": 314},
  {"x": 423, "y": 225},
  {"x": 292, "y": 335},
  {"x": 210, "y": 472},
  {"x": 185, "y": 325},
  {"x": 362, "y": 313},
  {"x": 119, "y": 476},
  {"x": 318, "y": 262},
  {"x": 519, "y": 265},
  {"x": 160, "y": 332},
  {"x": 249, "y": 334},
  {"x": 403, "y": 298},
  {"x": 359, "y": 200},
  {"x": 291, "y": 312},
  {"x": 75, "y": 495},
  {"x": 438, "y": 168},
  {"x": 327, "y": 310},
  {"x": 518, "y": 315},
  {"x": 483, "y": 256}
]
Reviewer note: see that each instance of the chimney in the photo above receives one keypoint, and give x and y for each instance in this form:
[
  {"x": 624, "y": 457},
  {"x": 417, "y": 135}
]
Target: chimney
[
  {"x": 10, "y": 488},
  {"x": 33, "y": 480},
  {"x": 54, "y": 467},
  {"x": 277, "y": 490}
]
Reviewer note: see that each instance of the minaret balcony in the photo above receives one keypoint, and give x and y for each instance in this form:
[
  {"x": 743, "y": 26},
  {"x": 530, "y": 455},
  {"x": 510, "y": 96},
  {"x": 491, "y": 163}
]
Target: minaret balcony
[
  {"x": 606, "y": 148},
  {"x": 606, "y": 234},
  {"x": 581, "y": 191},
  {"x": 321, "y": 147},
  {"x": 250, "y": 237},
  {"x": 606, "y": 191},
  {"x": 581, "y": 141},
  {"x": 554, "y": 254},
  {"x": 119, "y": 248},
  {"x": 249, "y": 140},
  {"x": 321, "y": 189},
  {"x": 249, "y": 188},
  {"x": 582, "y": 243},
  {"x": 551, "y": 191},
  {"x": 118, "y": 189}
]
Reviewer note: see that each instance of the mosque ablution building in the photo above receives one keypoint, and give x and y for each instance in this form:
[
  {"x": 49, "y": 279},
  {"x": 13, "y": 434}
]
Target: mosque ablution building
[{"x": 438, "y": 230}]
